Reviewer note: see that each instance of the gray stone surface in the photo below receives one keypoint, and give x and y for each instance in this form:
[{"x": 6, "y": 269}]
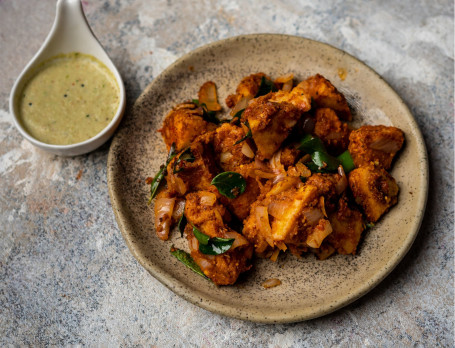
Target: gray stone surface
[{"x": 66, "y": 275}]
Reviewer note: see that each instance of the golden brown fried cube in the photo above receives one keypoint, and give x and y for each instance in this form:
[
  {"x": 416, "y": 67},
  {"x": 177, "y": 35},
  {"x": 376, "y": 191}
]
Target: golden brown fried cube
[
  {"x": 297, "y": 97},
  {"x": 375, "y": 144},
  {"x": 325, "y": 95},
  {"x": 270, "y": 123},
  {"x": 193, "y": 168},
  {"x": 374, "y": 190},
  {"x": 204, "y": 212},
  {"x": 183, "y": 124},
  {"x": 228, "y": 154},
  {"x": 333, "y": 133},
  {"x": 248, "y": 87},
  {"x": 347, "y": 227}
]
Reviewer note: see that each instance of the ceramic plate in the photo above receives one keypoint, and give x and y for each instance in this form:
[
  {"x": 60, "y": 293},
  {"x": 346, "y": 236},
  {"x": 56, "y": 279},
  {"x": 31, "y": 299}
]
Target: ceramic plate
[{"x": 310, "y": 288}]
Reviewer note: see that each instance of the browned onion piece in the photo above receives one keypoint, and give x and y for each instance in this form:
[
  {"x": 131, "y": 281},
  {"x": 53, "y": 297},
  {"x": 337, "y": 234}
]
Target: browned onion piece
[
  {"x": 277, "y": 209},
  {"x": 322, "y": 230},
  {"x": 246, "y": 150},
  {"x": 208, "y": 198},
  {"x": 270, "y": 283},
  {"x": 241, "y": 104},
  {"x": 163, "y": 215},
  {"x": 239, "y": 239},
  {"x": 385, "y": 145},
  {"x": 313, "y": 215},
  {"x": 264, "y": 175},
  {"x": 275, "y": 162},
  {"x": 341, "y": 184},
  {"x": 207, "y": 96},
  {"x": 225, "y": 156},
  {"x": 287, "y": 86},
  {"x": 262, "y": 223},
  {"x": 275, "y": 254},
  {"x": 284, "y": 78},
  {"x": 178, "y": 209}
]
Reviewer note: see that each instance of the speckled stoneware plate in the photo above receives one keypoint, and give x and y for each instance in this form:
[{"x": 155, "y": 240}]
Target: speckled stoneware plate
[{"x": 310, "y": 288}]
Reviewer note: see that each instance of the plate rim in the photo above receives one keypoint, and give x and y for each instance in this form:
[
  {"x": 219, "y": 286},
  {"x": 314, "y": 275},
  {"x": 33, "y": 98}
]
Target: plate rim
[{"x": 176, "y": 286}]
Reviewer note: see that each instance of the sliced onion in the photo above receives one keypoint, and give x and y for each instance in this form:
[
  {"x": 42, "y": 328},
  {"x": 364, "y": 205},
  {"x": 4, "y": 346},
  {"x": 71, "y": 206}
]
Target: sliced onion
[
  {"x": 194, "y": 244},
  {"x": 284, "y": 185},
  {"x": 178, "y": 209},
  {"x": 313, "y": 215},
  {"x": 275, "y": 162},
  {"x": 275, "y": 254},
  {"x": 163, "y": 215},
  {"x": 287, "y": 86},
  {"x": 284, "y": 78},
  {"x": 278, "y": 209},
  {"x": 239, "y": 239},
  {"x": 207, "y": 96},
  {"x": 261, "y": 174},
  {"x": 262, "y": 223},
  {"x": 225, "y": 156},
  {"x": 322, "y": 204},
  {"x": 342, "y": 183},
  {"x": 241, "y": 104},
  {"x": 385, "y": 144},
  {"x": 317, "y": 236},
  {"x": 208, "y": 198},
  {"x": 246, "y": 150},
  {"x": 271, "y": 283},
  {"x": 278, "y": 178},
  {"x": 204, "y": 264}
]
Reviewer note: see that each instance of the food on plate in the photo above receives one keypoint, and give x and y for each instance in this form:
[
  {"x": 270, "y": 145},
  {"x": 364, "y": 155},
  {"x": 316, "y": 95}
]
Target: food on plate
[{"x": 283, "y": 172}]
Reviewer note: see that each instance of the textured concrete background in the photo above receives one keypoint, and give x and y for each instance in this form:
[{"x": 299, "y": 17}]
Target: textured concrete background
[{"x": 68, "y": 278}]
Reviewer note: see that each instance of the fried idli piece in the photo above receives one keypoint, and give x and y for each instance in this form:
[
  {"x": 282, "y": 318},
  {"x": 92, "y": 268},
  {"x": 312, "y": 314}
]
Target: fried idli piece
[
  {"x": 347, "y": 227},
  {"x": 270, "y": 123},
  {"x": 228, "y": 154},
  {"x": 330, "y": 186},
  {"x": 374, "y": 190},
  {"x": 289, "y": 156},
  {"x": 248, "y": 87},
  {"x": 183, "y": 124},
  {"x": 291, "y": 214},
  {"x": 240, "y": 206},
  {"x": 325, "y": 95},
  {"x": 204, "y": 212},
  {"x": 375, "y": 144},
  {"x": 333, "y": 133},
  {"x": 297, "y": 97},
  {"x": 193, "y": 168}
]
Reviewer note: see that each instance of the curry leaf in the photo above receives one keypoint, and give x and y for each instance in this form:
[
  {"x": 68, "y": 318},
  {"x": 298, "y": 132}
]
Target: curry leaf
[
  {"x": 186, "y": 156},
  {"x": 201, "y": 237},
  {"x": 209, "y": 116},
  {"x": 187, "y": 260},
  {"x": 237, "y": 116},
  {"x": 325, "y": 161},
  {"x": 161, "y": 173},
  {"x": 182, "y": 222},
  {"x": 265, "y": 87},
  {"x": 346, "y": 161},
  {"x": 310, "y": 144},
  {"x": 229, "y": 184},
  {"x": 214, "y": 245},
  {"x": 247, "y": 135}
]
